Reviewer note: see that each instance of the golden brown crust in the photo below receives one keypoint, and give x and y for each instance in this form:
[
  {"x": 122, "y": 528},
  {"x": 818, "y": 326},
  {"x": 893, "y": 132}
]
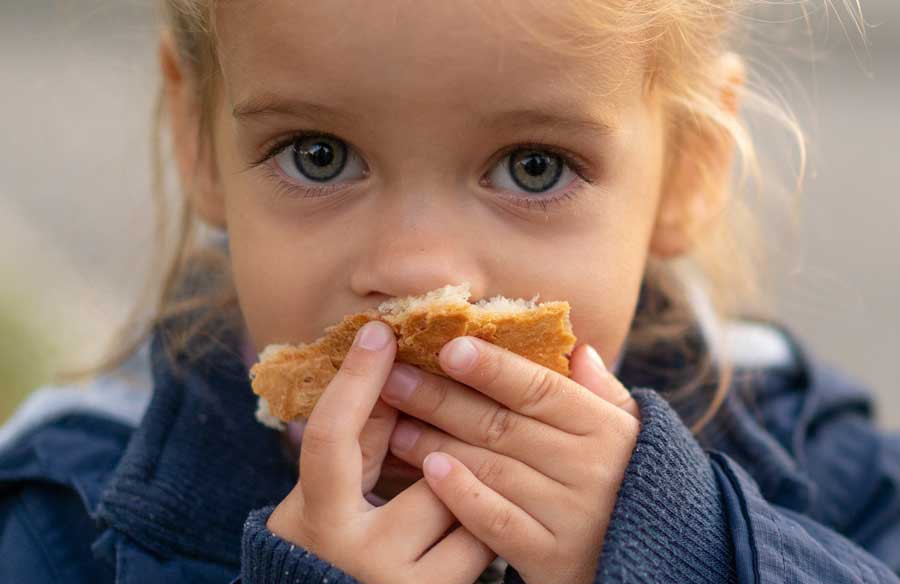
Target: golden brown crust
[{"x": 292, "y": 379}]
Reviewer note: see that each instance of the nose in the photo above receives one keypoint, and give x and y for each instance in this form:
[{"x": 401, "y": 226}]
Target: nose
[{"x": 415, "y": 244}]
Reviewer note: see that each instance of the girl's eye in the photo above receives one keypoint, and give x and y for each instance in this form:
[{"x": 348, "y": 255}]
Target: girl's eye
[
  {"x": 534, "y": 169},
  {"x": 316, "y": 159}
]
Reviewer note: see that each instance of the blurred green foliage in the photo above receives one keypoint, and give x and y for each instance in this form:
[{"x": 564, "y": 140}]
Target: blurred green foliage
[{"x": 26, "y": 353}]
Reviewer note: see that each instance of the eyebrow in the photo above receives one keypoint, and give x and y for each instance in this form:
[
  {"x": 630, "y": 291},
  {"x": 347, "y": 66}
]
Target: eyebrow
[{"x": 270, "y": 105}]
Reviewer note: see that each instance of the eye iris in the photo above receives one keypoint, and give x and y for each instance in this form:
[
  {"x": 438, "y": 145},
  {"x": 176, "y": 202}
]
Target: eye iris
[
  {"x": 318, "y": 159},
  {"x": 535, "y": 170}
]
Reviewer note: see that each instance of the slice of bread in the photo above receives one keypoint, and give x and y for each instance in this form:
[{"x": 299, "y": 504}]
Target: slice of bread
[{"x": 290, "y": 378}]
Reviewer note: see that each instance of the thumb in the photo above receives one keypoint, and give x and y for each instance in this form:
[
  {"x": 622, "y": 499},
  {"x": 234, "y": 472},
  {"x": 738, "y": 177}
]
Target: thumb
[
  {"x": 374, "y": 441},
  {"x": 587, "y": 369}
]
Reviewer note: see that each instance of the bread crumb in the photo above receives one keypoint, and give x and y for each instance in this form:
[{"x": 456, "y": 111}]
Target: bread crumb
[{"x": 265, "y": 417}]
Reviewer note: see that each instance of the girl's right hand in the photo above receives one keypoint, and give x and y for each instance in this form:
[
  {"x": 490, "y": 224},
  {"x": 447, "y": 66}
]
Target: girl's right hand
[{"x": 326, "y": 513}]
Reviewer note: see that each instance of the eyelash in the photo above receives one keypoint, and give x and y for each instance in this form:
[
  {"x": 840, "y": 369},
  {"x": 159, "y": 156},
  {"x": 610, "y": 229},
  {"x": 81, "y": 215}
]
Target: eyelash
[{"x": 285, "y": 189}]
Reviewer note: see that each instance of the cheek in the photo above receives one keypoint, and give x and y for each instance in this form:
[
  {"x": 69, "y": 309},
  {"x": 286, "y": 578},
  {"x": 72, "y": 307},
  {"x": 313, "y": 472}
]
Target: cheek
[
  {"x": 267, "y": 292},
  {"x": 614, "y": 255},
  {"x": 277, "y": 278},
  {"x": 601, "y": 315}
]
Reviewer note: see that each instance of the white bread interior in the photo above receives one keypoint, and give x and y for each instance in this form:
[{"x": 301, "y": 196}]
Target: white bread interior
[{"x": 451, "y": 294}]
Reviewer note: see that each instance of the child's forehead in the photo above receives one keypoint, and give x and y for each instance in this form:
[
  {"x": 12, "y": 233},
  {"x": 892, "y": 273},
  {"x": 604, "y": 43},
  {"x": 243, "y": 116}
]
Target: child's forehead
[{"x": 456, "y": 53}]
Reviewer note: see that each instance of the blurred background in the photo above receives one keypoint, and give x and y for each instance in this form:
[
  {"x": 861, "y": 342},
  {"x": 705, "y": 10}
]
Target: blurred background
[{"x": 78, "y": 82}]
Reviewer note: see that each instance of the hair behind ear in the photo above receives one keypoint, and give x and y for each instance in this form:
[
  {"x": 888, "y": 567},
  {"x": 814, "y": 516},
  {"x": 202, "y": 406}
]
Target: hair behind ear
[
  {"x": 189, "y": 122},
  {"x": 699, "y": 157}
]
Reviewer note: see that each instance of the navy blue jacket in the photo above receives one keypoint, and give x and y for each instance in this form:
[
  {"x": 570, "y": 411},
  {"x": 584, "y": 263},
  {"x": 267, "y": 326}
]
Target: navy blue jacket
[{"x": 790, "y": 482}]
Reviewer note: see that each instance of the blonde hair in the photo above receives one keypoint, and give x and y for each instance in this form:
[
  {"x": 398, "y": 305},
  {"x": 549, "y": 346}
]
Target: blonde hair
[{"x": 682, "y": 39}]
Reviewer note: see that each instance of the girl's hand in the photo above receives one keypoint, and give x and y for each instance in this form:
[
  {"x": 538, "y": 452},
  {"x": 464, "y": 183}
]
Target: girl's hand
[
  {"x": 530, "y": 461},
  {"x": 326, "y": 513}
]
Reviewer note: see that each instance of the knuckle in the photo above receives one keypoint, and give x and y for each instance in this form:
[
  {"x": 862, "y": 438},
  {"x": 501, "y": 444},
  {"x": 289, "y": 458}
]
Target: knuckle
[
  {"x": 357, "y": 365},
  {"x": 539, "y": 387},
  {"x": 496, "y": 425},
  {"x": 437, "y": 395},
  {"x": 490, "y": 367},
  {"x": 499, "y": 522},
  {"x": 467, "y": 490},
  {"x": 318, "y": 439},
  {"x": 598, "y": 472},
  {"x": 490, "y": 470}
]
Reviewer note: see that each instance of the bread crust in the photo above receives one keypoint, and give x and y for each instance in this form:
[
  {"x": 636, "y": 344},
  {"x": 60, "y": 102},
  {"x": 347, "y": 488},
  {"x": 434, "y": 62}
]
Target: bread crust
[{"x": 290, "y": 378}]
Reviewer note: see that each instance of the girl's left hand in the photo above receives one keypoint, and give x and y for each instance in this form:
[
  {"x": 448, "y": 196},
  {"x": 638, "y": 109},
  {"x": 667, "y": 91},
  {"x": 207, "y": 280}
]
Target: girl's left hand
[{"x": 529, "y": 461}]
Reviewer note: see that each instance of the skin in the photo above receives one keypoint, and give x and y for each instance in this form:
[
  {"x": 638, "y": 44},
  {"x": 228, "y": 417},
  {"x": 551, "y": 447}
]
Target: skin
[{"x": 425, "y": 200}]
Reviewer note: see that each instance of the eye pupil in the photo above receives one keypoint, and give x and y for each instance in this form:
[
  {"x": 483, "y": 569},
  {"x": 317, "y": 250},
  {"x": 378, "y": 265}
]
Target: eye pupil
[
  {"x": 319, "y": 158},
  {"x": 535, "y": 165},
  {"x": 541, "y": 169},
  {"x": 320, "y": 154}
]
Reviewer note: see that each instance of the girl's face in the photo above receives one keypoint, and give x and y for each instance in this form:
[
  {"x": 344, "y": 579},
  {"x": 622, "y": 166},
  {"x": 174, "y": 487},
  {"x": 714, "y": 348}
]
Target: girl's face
[
  {"x": 365, "y": 150},
  {"x": 414, "y": 112}
]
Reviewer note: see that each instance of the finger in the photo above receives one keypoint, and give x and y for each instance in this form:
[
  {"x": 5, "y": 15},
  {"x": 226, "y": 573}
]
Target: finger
[
  {"x": 521, "y": 384},
  {"x": 374, "y": 441},
  {"x": 413, "y": 520},
  {"x": 504, "y": 527},
  {"x": 541, "y": 496},
  {"x": 475, "y": 418},
  {"x": 330, "y": 457},
  {"x": 458, "y": 558},
  {"x": 589, "y": 370}
]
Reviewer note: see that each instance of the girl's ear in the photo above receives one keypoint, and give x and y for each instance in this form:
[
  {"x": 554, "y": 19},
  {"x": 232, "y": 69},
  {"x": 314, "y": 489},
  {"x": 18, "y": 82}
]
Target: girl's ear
[
  {"x": 193, "y": 152},
  {"x": 695, "y": 189}
]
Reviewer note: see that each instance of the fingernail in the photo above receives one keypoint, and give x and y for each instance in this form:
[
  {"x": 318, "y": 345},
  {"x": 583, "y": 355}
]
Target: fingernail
[
  {"x": 596, "y": 360},
  {"x": 404, "y": 436},
  {"x": 436, "y": 465},
  {"x": 401, "y": 382},
  {"x": 374, "y": 336},
  {"x": 461, "y": 355}
]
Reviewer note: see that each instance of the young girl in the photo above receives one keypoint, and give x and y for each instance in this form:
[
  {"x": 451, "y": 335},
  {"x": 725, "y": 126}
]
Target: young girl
[{"x": 348, "y": 152}]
